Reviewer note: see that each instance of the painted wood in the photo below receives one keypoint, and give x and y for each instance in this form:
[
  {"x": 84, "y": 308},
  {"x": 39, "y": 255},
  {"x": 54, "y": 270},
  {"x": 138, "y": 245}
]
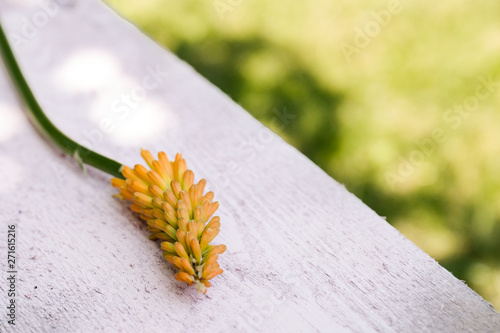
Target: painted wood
[{"x": 304, "y": 255}]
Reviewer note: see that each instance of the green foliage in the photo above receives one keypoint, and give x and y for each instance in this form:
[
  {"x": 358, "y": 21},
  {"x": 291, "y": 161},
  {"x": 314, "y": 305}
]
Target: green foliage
[{"x": 376, "y": 109}]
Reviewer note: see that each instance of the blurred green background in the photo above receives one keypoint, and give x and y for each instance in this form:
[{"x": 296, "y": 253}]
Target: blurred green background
[{"x": 391, "y": 98}]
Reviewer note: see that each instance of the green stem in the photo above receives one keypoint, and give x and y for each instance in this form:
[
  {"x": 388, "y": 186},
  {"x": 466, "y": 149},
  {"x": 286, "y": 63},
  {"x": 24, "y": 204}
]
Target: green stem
[{"x": 44, "y": 125}]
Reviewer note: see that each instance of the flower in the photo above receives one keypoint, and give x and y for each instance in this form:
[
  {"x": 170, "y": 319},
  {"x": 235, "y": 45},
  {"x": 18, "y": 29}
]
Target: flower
[{"x": 178, "y": 213}]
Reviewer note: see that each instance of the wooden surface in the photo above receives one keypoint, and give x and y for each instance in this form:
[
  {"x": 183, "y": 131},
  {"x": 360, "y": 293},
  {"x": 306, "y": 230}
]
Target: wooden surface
[{"x": 304, "y": 255}]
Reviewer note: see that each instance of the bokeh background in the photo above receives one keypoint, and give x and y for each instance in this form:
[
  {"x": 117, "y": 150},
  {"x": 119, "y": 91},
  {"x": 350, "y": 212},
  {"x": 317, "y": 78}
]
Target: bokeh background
[{"x": 398, "y": 100}]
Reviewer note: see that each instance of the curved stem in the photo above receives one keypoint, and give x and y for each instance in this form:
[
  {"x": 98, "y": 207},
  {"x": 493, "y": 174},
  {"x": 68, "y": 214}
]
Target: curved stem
[{"x": 44, "y": 125}]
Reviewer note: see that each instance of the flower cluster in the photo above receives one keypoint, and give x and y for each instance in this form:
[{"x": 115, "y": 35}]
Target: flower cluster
[{"x": 178, "y": 213}]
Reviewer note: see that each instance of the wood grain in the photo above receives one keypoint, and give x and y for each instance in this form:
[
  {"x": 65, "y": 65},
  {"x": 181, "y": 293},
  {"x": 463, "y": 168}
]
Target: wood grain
[{"x": 304, "y": 254}]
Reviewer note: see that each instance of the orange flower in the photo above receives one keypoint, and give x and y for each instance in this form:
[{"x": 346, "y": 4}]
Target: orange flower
[{"x": 178, "y": 213}]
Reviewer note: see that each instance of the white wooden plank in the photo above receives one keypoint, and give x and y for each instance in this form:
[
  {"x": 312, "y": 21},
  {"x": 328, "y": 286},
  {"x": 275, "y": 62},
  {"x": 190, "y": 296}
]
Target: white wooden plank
[{"x": 303, "y": 253}]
